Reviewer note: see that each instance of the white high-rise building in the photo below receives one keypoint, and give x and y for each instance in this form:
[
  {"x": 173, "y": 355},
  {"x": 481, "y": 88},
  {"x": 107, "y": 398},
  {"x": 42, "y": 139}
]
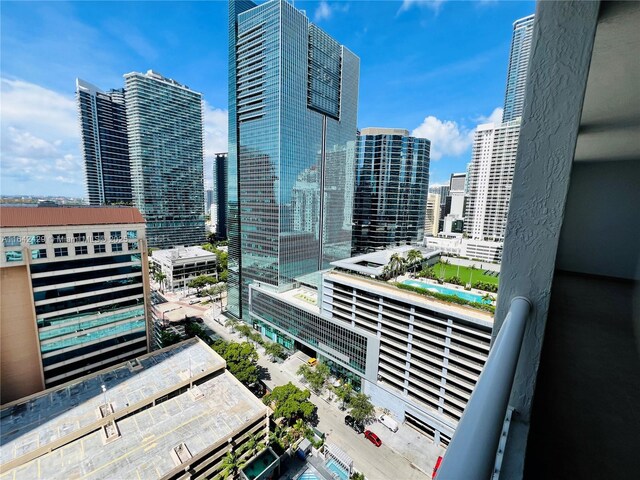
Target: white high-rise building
[
  {"x": 432, "y": 216},
  {"x": 493, "y": 162}
]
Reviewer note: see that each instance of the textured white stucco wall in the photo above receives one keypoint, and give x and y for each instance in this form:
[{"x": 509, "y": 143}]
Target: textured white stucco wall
[{"x": 561, "y": 52}]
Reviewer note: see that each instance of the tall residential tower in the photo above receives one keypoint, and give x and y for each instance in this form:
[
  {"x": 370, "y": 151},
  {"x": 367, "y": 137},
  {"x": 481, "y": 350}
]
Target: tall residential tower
[
  {"x": 105, "y": 148},
  {"x": 166, "y": 150},
  {"x": 518, "y": 67},
  {"x": 392, "y": 182},
  {"x": 293, "y": 95}
]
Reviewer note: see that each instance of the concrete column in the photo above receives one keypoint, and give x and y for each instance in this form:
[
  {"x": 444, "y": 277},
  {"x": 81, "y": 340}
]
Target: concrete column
[{"x": 561, "y": 52}]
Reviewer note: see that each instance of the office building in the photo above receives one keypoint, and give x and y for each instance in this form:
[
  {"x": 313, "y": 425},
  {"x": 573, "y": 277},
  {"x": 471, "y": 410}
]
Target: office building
[
  {"x": 74, "y": 283},
  {"x": 220, "y": 195},
  {"x": 518, "y": 68},
  {"x": 559, "y": 393},
  {"x": 180, "y": 265},
  {"x": 493, "y": 161},
  {"x": 474, "y": 250},
  {"x": 391, "y": 185},
  {"x": 414, "y": 355},
  {"x": 432, "y": 216},
  {"x": 164, "y": 121},
  {"x": 454, "y": 220},
  {"x": 174, "y": 413},
  {"x": 443, "y": 191},
  {"x": 208, "y": 201},
  {"x": 293, "y": 96},
  {"x": 105, "y": 147}
]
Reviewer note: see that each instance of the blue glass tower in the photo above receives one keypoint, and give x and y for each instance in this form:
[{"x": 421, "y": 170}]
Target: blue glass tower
[
  {"x": 293, "y": 94},
  {"x": 391, "y": 188},
  {"x": 518, "y": 67}
]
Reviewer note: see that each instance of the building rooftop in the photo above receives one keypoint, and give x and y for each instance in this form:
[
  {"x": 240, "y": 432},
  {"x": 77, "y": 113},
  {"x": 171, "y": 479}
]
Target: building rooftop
[
  {"x": 178, "y": 253},
  {"x": 373, "y": 263},
  {"x": 59, "y": 216},
  {"x": 468, "y": 313},
  {"x": 57, "y": 433},
  {"x": 384, "y": 131}
]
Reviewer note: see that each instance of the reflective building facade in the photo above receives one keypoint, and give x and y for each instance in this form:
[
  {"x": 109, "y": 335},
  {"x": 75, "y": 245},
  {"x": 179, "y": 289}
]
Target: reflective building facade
[
  {"x": 518, "y": 67},
  {"x": 293, "y": 94},
  {"x": 105, "y": 147},
  {"x": 391, "y": 187},
  {"x": 166, "y": 150},
  {"x": 220, "y": 194}
]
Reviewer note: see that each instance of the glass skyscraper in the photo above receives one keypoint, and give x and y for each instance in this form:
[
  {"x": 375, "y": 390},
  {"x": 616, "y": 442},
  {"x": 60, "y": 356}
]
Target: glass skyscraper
[
  {"x": 518, "y": 67},
  {"x": 165, "y": 128},
  {"x": 293, "y": 94},
  {"x": 105, "y": 148},
  {"x": 392, "y": 183},
  {"x": 220, "y": 174}
]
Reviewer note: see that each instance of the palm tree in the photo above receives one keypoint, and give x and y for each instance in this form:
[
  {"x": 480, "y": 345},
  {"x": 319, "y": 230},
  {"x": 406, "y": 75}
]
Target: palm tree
[
  {"x": 253, "y": 445},
  {"x": 414, "y": 256},
  {"x": 231, "y": 464},
  {"x": 488, "y": 297},
  {"x": 298, "y": 429},
  {"x": 396, "y": 264},
  {"x": 160, "y": 277},
  {"x": 232, "y": 323}
]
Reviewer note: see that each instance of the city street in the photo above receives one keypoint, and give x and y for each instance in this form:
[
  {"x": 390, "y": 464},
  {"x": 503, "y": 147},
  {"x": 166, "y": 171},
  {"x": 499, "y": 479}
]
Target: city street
[{"x": 376, "y": 463}]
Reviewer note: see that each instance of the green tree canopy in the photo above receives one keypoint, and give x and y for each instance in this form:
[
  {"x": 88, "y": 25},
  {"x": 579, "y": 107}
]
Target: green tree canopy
[
  {"x": 344, "y": 392},
  {"x": 274, "y": 350},
  {"x": 290, "y": 403},
  {"x": 202, "y": 281},
  {"x": 241, "y": 359},
  {"x": 168, "y": 337},
  {"x": 361, "y": 408}
]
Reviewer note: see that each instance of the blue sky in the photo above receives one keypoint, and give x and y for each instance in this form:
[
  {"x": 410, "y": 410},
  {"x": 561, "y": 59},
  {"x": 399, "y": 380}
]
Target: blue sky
[{"x": 436, "y": 68}]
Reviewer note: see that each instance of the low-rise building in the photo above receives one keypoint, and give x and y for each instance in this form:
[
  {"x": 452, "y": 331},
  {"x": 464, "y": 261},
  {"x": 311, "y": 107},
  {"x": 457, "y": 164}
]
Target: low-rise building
[
  {"x": 457, "y": 245},
  {"x": 171, "y": 414},
  {"x": 74, "y": 283},
  {"x": 180, "y": 265}
]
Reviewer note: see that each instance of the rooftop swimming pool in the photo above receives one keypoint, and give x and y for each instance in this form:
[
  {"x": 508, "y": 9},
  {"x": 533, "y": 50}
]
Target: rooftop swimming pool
[
  {"x": 259, "y": 464},
  {"x": 336, "y": 468},
  {"x": 471, "y": 297}
]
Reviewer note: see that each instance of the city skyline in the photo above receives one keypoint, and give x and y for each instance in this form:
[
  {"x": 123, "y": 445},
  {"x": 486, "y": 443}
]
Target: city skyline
[{"x": 457, "y": 86}]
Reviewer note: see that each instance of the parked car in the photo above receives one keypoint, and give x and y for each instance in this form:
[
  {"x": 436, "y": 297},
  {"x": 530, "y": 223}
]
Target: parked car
[
  {"x": 312, "y": 362},
  {"x": 388, "y": 422},
  {"x": 358, "y": 427},
  {"x": 436, "y": 467},
  {"x": 373, "y": 438}
]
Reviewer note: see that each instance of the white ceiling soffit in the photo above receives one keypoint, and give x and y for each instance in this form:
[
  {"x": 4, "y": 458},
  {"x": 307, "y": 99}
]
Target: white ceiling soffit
[{"x": 610, "y": 124}]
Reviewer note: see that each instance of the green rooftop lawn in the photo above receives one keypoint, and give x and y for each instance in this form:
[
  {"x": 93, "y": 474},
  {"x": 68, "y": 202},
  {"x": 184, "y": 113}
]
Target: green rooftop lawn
[{"x": 465, "y": 273}]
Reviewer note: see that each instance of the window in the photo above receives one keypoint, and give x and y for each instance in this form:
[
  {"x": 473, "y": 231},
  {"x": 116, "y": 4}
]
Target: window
[
  {"x": 14, "y": 256},
  {"x": 133, "y": 245},
  {"x": 11, "y": 241},
  {"x": 36, "y": 240},
  {"x": 116, "y": 247},
  {"x": 116, "y": 235},
  {"x": 98, "y": 236},
  {"x": 61, "y": 251},
  {"x": 79, "y": 237},
  {"x": 99, "y": 248},
  {"x": 132, "y": 234},
  {"x": 82, "y": 250},
  {"x": 40, "y": 253},
  {"x": 59, "y": 238}
]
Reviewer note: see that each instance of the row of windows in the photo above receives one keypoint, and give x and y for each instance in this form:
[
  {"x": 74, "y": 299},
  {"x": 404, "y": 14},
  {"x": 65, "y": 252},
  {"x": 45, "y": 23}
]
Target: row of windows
[
  {"x": 16, "y": 240},
  {"x": 16, "y": 255}
]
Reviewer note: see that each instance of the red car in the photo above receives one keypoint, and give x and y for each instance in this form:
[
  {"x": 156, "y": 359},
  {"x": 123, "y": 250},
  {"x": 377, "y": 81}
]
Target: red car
[{"x": 373, "y": 438}]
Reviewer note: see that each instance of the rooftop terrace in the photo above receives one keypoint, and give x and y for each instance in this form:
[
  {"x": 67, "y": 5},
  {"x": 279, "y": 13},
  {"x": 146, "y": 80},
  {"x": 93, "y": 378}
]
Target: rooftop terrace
[{"x": 66, "y": 419}]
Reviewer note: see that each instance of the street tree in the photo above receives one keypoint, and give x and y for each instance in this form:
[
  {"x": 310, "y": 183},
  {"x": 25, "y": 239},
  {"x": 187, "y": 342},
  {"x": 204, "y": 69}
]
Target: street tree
[
  {"x": 274, "y": 350},
  {"x": 344, "y": 392},
  {"x": 362, "y": 410},
  {"x": 290, "y": 403},
  {"x": 232, "y": 323},
  {"x": 201, "y": 282},
  {"x": 241, "y": 359}
]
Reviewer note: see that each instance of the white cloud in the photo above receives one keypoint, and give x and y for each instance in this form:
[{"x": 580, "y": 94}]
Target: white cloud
[
  {"x": 494, "y": 117},
  {"x": 323, "y": 12},
  {"x": 447, "y": 137},
  {"x": 216, "y": 130},
  {"x": 431, "y": 4},
  {"x": 40, "y": 140}
]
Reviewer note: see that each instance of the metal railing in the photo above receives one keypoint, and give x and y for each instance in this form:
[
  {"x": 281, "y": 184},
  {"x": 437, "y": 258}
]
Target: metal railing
[{"x": 472, "y": 452}]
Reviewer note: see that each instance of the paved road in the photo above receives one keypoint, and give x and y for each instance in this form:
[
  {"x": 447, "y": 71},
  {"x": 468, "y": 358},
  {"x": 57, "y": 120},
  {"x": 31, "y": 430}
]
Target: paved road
[{"x": 376, "y": 463}]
